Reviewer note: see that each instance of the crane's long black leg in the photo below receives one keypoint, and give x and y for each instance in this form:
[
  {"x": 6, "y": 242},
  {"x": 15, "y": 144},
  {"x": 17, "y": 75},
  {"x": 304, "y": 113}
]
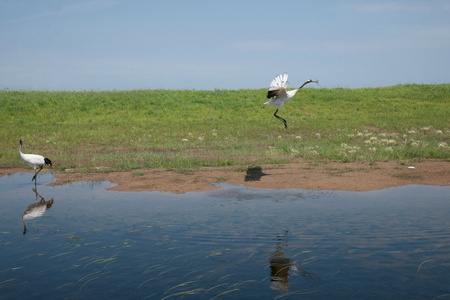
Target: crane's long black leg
[
  {"x": 283, "y": 120},
  {"x": 34, "y": 177},
  {"x": 24, "y": 227}
]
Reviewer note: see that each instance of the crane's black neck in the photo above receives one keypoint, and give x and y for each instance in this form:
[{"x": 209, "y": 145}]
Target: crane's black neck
[{"x": 306, "y": 82}]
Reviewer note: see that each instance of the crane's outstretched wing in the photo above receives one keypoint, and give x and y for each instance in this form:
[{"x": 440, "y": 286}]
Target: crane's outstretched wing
[{"x": 278, "y": 86}]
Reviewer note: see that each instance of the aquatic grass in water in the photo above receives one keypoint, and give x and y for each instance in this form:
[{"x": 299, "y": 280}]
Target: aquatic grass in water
[{"x": 229, "y": 243}]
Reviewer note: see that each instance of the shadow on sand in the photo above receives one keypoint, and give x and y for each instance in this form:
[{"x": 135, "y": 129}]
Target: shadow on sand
[{"x": 254, "y": 174}]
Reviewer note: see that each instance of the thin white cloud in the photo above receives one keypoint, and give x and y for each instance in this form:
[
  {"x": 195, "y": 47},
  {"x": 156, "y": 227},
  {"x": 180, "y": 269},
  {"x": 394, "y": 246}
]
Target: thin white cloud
[
  {"x": 427, "y": 41},
  {"x": 82, "y": 7},
  {"x": 258, "y": 45},
  {"x": 440, "y": 32},
  {"x": 63, "y": 10},
  {"x": 392, "y": 7},
  {"x": 403, "y": 6}
]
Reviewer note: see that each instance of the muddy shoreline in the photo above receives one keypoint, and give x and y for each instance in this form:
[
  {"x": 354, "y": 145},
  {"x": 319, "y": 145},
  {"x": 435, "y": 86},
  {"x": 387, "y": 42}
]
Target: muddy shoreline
[{"x": 307, "y": 175}]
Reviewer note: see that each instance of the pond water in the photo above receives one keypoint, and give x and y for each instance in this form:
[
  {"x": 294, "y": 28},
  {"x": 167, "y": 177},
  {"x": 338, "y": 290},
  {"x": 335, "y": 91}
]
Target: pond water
[{"x": 79, "y": 241}]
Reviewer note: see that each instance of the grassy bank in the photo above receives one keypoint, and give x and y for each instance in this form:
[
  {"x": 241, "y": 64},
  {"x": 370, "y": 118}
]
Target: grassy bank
[{"x": 174, "y": 129}]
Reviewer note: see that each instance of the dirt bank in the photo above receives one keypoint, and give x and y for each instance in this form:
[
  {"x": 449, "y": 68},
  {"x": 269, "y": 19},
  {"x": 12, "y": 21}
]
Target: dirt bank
[{"x": 306, "y": 175}]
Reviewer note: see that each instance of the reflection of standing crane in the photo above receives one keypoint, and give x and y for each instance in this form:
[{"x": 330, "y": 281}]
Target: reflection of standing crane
[
  {"x": 34, "y": 160},
  {"x": 36, "y": 209}
]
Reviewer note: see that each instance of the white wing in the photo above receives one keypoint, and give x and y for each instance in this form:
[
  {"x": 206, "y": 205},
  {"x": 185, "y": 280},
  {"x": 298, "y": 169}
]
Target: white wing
[{"x": 279, "y": 82}]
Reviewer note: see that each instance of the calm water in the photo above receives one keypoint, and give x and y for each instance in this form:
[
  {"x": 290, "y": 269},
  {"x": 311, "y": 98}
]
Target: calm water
[{"x": 83, "y": 242}]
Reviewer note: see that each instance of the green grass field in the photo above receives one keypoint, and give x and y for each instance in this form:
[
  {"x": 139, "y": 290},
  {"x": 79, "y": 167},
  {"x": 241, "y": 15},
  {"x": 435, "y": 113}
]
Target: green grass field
[{"x": 186, "y": 129}]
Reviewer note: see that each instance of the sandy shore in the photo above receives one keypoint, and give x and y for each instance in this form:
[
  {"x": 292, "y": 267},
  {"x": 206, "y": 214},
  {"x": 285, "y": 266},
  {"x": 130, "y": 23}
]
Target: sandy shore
[{"x": 306, "y": 175}]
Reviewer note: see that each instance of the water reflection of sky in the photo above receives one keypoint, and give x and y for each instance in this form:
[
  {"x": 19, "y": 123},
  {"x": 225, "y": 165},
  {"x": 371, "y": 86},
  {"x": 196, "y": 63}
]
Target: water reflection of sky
[{"x": 82, "y": 241}]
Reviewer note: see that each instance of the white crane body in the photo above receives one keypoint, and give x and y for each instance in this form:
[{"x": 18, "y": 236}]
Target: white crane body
[
  {"x": 282, "y": 98},
  {"x": 33, "y": 160}
]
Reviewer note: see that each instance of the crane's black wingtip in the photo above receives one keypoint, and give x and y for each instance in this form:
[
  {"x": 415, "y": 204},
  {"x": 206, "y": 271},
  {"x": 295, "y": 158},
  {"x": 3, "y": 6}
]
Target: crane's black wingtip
[{"x": 271, "y": 94}]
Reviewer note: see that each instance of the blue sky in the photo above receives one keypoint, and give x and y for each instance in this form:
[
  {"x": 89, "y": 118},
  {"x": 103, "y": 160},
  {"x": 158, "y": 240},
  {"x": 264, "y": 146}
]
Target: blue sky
[{"x": 123, "y": 45}]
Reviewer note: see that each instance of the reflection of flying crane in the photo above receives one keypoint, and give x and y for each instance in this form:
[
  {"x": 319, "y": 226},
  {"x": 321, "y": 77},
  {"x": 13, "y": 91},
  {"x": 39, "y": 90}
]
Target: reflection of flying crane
[
  {"x": 36, "y": 209},
  {"x": 280, "y": 266}
]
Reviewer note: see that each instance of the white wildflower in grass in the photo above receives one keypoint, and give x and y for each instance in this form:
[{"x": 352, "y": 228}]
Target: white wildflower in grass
[
  {"x": 442, "y": 145},
  {"x": 293, "y": 151},
  {"x": 311, "y": 150},
  {"x": 318, "y": 135},
  {"x": 373, "y": 149},
  {"x": 438, "y": 131},
  {"x": 372, "y": 140},
  {"x": 231, "y": 138},
  {"x": 387, "y": 142},
  {"x": 375, "y": 141},
  {"x": 298, "y": 137},
  {"x": 280, "y": 137},
  {"x": 190, "y": 134},
  {"x": 214, "y": 132},
  {"x": 271, "y": 150},
  {"x": 185, "y": 140},
  {"x": 365, "y": 133},
  {"x": 346, "y": 150},
  {"x": 351, "y": 135},
  {"x": 425, "y": 128},
  {"x": 414, "y": 143},
  {"x": 201, "y": 138},
  {"x": 412, "y": 131}
]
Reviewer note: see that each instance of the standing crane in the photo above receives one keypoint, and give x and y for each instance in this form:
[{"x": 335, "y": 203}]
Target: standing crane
[
  {"x": 34, "y": 160},
  {"x": 280, "y": 95}
]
